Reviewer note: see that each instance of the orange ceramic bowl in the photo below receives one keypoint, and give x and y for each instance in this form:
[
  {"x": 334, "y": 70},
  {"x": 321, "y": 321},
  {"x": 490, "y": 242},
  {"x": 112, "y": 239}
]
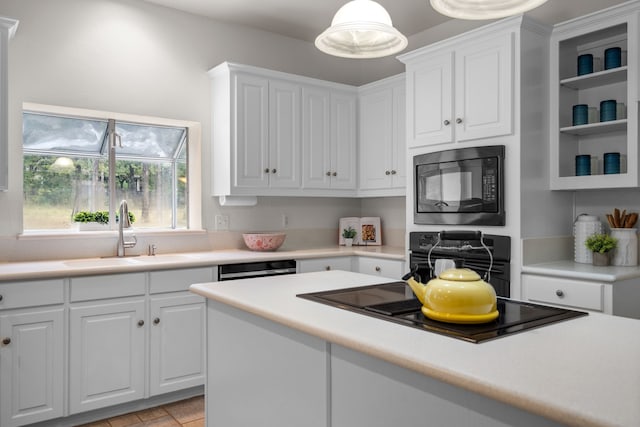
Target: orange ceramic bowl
[{"x": 263, "y": 241}]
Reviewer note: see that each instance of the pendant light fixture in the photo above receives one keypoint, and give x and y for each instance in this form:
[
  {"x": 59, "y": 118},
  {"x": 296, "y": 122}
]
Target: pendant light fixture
[
  {"x": 361, "y": 29},
  {"x": 483, "y": 9}
]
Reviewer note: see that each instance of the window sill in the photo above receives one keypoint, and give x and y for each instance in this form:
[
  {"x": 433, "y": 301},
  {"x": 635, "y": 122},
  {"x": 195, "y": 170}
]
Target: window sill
[{"x": 75, "y": 234}]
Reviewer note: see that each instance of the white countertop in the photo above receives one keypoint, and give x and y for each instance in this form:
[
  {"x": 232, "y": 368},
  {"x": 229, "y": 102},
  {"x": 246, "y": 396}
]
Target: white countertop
[
  {"x": 581, "y": 372},
  {"x": 90, "y": 266},
  {"x": 574, "y": 270}
]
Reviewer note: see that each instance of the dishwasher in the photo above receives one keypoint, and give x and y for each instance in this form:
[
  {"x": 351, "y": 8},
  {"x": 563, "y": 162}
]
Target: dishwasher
[{"x": 245, "y": 270}]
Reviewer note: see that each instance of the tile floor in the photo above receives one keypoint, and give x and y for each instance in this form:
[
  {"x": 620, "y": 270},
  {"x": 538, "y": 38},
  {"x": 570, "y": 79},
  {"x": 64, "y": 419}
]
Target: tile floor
[{"x": 186, "y": 413}]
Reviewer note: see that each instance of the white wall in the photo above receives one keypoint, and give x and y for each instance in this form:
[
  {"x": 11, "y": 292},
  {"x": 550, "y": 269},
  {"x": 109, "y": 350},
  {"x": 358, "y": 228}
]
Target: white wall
[{"x": 132, "y": 57}]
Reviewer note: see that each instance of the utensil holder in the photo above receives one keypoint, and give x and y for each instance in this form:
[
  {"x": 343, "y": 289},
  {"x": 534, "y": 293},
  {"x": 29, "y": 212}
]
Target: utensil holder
[{"x": 626, "y": 251}]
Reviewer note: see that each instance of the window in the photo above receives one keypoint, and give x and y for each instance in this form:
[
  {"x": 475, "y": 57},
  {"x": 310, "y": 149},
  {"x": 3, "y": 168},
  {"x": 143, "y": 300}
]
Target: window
[{"x": 76, "y": 165}]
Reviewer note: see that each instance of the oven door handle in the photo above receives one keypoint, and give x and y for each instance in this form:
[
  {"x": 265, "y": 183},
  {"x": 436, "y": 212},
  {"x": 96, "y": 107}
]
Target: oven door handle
[{"x": 460, "y": 235}]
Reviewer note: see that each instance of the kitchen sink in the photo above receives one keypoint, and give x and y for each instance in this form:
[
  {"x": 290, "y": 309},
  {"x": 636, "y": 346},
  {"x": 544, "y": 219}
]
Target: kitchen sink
[{"x": 154, "y": 259}]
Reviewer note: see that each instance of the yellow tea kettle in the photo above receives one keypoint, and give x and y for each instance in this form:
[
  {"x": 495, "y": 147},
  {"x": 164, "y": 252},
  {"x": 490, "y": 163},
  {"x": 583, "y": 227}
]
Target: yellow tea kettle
[{"x": 457, "y": 295}]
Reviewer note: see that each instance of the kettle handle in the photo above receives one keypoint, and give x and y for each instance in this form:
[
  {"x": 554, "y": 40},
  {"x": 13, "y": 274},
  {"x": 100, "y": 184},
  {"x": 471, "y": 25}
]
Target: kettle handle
[{"x": 462, "y": 235}]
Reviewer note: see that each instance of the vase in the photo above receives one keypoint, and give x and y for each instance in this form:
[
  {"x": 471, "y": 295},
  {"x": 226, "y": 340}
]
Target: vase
[
  {"x": 626, "y": 251},
  {"x": 600, "y": 259},
  {"x": 91, "y": 226},
  {"x": 348, "y": 242}
]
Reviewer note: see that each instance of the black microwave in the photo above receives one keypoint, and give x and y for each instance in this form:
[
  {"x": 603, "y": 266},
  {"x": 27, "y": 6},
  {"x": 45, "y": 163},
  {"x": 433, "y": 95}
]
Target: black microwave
[{"x": 460, "y": 186}]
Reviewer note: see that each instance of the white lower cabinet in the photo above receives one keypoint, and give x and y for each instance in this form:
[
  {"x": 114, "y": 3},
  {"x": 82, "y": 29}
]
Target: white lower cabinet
[
  {"x": 617, "y": 298},
  {"x": 325, "y": 264},
  {"x": 381, "y": 267},
  {"x": 177, "y": 355},
  {"x": 31, "y": 366},
  {"x": 31, "y": 351},
  {"x": 106, "y": 353}
]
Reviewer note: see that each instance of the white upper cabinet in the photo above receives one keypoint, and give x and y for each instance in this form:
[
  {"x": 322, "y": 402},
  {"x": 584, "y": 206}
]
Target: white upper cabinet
[
  {"x": 382, "y": 156},
  {"x": 328, "y": 139},
  {"x": 256, "y": 133},
  {"x": 616, "y": 27},
  {"x": 264, "y": 122},
  {"x": 461, "y": 91},
  {"x": 7, "y": 30}
]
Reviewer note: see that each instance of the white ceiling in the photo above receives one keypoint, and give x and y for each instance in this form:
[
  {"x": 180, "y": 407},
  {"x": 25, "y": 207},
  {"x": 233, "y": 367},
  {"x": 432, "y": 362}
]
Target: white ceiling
[{"x": 305, "y": 19}]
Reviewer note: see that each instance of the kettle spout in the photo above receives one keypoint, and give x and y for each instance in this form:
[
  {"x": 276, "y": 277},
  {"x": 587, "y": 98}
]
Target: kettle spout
[{"x": 417, "y": 288}]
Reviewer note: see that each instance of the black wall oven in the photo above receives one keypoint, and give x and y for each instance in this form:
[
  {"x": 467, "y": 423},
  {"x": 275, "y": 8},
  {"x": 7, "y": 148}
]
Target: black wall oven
[{"x": 461, "y": 186}]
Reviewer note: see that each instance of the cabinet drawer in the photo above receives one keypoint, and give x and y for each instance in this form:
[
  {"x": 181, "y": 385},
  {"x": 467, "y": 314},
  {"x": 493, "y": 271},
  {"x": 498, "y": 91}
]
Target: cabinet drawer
[
  {"x": 324, "y": 264},
  {"x": 31, "y": 293},
  {"x": 381, "y": 267},
  {"x": 178, "y": 280},
  {"x": 108, "y": 286},
  {"x": 573, "y": 293}
]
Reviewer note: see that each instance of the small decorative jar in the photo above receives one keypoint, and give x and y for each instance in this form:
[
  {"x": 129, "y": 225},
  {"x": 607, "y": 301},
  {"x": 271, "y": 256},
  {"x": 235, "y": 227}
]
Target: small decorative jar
[
  {"x": 580, "y": 114},
  {"x": 585, "y": 64},
  {"x": 612, "y": 58},
  {"x": 585, "y": 226},
  {"x": 608, "y": 110},
  {"x": 626, "y": 251},
  {"x": 583, "y": 165}
]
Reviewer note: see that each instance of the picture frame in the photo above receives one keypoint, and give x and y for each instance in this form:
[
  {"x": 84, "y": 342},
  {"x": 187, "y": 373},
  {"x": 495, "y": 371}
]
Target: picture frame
[{"x": 368, "y": 230}]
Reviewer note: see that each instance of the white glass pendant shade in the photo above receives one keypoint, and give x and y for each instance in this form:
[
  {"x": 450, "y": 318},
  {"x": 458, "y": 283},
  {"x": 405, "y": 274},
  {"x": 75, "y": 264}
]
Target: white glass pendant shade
[
  {"x": 361, "y": 29},
  {"x": 484, "y": 9}
]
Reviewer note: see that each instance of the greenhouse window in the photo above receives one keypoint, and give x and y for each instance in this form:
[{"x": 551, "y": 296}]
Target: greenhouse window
[{"x": 79, "y": 168}]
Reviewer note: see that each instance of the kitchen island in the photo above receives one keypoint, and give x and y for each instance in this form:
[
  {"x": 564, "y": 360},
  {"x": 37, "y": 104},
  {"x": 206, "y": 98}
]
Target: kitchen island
[{"x": 278, "y": 360}]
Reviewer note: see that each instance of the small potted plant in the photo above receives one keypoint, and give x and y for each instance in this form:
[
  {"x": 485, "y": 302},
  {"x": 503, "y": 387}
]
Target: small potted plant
[
  {"x": 348, "y": 234},
  {"x": 98, "y": 220},
  {"x": 600, "y": 245}
]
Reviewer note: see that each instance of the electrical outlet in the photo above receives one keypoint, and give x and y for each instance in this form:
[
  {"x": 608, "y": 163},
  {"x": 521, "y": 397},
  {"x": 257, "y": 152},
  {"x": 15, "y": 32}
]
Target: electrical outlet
[
  {"x": 222, "y": 222},
  {"x": 285, "y": 221}
]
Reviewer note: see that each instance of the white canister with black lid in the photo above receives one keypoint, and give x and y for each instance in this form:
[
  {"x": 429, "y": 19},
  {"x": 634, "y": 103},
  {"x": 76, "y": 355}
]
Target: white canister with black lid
[{"x": 585, "y": 226}]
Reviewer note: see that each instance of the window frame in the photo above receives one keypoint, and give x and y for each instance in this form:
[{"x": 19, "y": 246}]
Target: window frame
[{"x": 193, "y": 147}]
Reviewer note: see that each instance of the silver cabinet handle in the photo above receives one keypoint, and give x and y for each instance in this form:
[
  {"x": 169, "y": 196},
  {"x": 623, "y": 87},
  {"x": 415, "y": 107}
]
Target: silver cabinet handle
[
  {"x": 447, "y": 122},
  {"x": 378, "y": 269},
  {"x": 458, "y": 120},
  {"x": 156, "y": 320},
  {"x": 387, "y": 173},
  {"x": 273, "y": 171},
  {"x": 140, "y": 323},
  {"x": 393, "y": 172},
  {"x": 328, "y": 173},
  {"x": 559, "y": 293},
  {"x": 6, "y": 341},
  {"x": 266, "y": 170},
  {"x": 328, "y": 267},
  {"x": 1, "y": 297},
  {"x": 334, "y": 174}
]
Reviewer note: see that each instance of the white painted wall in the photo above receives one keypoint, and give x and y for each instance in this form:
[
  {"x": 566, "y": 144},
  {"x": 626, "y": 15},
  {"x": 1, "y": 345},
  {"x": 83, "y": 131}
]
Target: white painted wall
[{"x": 133, "y": 57}]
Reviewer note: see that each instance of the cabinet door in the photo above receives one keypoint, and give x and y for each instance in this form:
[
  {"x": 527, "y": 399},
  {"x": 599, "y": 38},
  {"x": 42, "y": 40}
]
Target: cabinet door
[
  {"x": 316, "y": 137},
  {"x": 177, "y": 342},
  {"x": 343, "y": 141},
  {"x": 251, "y": 131},
  {"x": 284, "y": 135},
  {"x": 106, "y": 354},
  {"x": 399, "y": 146},
  {"x": 429, "y": 101},
  {"x": 484, "y": 88},
  {"x": 31, "y": 366},
  {"x": 376, "y": 136}
]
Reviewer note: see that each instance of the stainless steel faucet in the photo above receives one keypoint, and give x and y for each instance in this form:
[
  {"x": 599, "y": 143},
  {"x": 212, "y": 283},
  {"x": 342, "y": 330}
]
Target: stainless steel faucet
[{"x": 123, "y": 223}]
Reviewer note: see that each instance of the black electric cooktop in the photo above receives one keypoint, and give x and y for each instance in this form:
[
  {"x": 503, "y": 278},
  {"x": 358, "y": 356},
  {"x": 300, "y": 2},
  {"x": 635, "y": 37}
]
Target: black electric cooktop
[{"x": 395, "y": 302}]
